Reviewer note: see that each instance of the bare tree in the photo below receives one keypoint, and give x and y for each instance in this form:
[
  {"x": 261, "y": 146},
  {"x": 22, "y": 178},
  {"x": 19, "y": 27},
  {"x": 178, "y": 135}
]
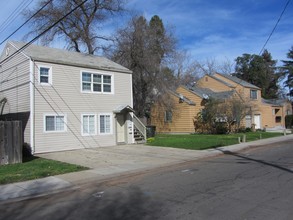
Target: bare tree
[
  {"x": 145, "y": 48},
  {"x": 81, "y": 29},
  {"x": 222, "y": 116}
]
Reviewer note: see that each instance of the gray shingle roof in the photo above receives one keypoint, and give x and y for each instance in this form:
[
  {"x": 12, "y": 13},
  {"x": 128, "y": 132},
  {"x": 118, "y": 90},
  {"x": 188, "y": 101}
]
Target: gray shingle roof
[
  {"x": 239, "y": 81},
  {"x": 207, "y": 93},
  {"x": 274, "y": 102},
  {"x": 184, "y": 99},
  {"x": 58, "y": 56}
]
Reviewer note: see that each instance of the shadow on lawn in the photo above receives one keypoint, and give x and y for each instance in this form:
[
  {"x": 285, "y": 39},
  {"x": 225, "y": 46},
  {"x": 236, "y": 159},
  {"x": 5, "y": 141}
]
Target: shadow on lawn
[
  {"x": 29, "y": 159},
  {"x": 227, "y": 152}
]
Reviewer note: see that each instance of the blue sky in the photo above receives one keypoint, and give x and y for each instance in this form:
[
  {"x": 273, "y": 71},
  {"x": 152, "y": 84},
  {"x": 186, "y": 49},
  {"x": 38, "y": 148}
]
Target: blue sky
[
  {"x": 225, "y": 29},
  {"x": 207, "y": 29}
]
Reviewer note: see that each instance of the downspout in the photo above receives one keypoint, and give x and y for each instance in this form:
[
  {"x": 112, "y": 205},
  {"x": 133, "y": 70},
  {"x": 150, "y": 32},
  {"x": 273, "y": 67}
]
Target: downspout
[
  {"x": 131, "y": 114},
  {"x": 32, "y": 107},
  {"x": 3, "y": 102}
]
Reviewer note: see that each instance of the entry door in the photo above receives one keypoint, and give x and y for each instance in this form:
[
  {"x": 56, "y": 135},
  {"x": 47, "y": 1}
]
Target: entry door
[
  {"x": 257, "y": 121},
  {"x": 120, "y": 128}
]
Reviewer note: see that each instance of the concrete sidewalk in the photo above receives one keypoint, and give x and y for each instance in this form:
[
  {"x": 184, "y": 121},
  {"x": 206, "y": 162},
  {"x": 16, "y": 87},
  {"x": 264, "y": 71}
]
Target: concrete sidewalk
[{"x": 113, "y": 161}]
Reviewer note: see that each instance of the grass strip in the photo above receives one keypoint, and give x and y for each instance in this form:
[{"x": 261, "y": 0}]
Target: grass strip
[
  {"x": 35, "y": 168},
  {"x": 205, "y": 141}
]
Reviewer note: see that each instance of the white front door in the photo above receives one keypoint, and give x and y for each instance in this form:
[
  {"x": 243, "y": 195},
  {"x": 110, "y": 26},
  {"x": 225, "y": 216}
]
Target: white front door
[
  {"x": 120, "y": 128},
  {"x": 257, "y": 121}
]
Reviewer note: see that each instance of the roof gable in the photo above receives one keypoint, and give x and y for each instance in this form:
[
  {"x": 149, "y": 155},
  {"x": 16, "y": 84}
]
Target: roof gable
[
  {"x": 237, "y": 80},
  {"x": 58, "y": 56}
]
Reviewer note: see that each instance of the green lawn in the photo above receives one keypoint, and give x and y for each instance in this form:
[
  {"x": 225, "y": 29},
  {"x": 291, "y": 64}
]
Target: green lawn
[
  {"x": 34, "y": 168},
  {"x": 202, "y": 141}
]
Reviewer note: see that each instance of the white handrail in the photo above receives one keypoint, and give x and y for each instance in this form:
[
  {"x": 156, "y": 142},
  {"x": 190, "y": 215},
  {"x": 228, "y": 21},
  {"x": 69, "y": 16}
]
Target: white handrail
[{"x": 140, "y": 126}]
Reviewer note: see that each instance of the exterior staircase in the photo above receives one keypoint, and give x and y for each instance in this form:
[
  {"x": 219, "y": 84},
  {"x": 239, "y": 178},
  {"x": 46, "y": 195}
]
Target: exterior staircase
[{"x": 140, "y": 134}]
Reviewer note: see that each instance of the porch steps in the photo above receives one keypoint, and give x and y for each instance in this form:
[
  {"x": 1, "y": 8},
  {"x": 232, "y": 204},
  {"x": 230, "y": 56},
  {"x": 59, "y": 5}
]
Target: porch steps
[{"x": 138, "y": 137}]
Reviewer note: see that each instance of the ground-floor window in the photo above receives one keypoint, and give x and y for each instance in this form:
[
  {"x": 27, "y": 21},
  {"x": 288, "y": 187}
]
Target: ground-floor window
[
  {"x": 168, "y": 116},
  {"x": 105, "y": 123},
  {"x": 89, "y": 124},
  {"x": 278, "y": 119},
  {"x": 54, "y": 123}
]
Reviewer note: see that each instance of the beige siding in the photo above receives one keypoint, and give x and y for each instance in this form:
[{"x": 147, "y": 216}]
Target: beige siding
[
  {"x": 181, "y": 118},
  {"x": 65, "y": 98},
  {"x": 14, "y": 85},
  {"x": 183, "y": 114},
  {"x": 213, "y": 84}
]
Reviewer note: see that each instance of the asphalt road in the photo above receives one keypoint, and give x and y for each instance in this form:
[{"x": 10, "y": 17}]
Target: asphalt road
[{"x": 253, "y": 184}]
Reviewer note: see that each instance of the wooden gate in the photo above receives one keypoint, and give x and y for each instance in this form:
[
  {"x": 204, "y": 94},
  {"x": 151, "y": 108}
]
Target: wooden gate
[{"x": 11, "y": 141}]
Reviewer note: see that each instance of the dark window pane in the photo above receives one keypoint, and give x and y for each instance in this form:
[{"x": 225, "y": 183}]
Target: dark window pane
[
  {"x": 97, "y": 78},
  {"x": 97, "y": 88},
  {"x": 107, "y": 79},
  {"x": 50, "y": 123},
  {"x": 107, "y": 88},
  {"x": 86, "y": 87}
]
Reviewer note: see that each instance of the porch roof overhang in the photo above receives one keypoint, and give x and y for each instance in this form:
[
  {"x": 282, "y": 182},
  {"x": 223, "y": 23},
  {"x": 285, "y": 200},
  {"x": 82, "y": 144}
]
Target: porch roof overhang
[{"x": 123, "y": 109}]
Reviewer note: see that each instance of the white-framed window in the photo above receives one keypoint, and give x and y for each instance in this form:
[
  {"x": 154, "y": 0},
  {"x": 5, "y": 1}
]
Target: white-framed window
[
  {"x": 89, "y": 124},
  {"x": 45, "y": 75},
  {"x": 253, "y": 94},
  {"x": 54, "y": 123},
  {"x": 97, "y": 83},
  {"x": 105, "y": 124}
]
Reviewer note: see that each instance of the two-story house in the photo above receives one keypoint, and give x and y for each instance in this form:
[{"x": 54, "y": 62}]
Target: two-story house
[
  {"x": 66, "y": 100},
  {"x": 262, "y": 114}
]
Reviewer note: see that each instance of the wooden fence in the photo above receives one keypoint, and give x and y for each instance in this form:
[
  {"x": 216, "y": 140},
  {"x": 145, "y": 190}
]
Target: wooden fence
[{"x": 11, "y": 141}]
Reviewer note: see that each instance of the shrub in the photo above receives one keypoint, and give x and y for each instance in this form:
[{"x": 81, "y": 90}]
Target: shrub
[
  {"x": 221, "y": 128},
  {"x": 248, "y": 130},
  {"x": 150, "y": 140}
]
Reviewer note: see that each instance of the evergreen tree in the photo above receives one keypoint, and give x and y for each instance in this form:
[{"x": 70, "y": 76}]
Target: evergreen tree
[
  {"x": 288, "y": 70},
  {"x": 259, "y": 70}
]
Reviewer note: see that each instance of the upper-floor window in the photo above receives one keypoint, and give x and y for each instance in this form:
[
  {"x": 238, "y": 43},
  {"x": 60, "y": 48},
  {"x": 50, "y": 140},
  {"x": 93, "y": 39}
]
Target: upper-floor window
[
  {"x": 253, "y": 94},
  {"x": 55, "y": 123},
  {"x": 45, "y": 75},
  {"x": 93, "y": 82}
]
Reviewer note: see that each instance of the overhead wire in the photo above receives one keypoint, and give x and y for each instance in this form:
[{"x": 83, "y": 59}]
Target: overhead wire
[
  {"x": 14, "y": 15},
  {"x": 67, "y": 105},
  {"x": 34, "y": 39},
  {"x": 42, "y": 33},
  {"x": 278, "y": 21},
  {"x": 26, "y": 22}
]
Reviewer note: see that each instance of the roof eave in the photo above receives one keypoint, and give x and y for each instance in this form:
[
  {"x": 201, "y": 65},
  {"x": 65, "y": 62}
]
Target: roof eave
[{"x": 81, "y": 65}]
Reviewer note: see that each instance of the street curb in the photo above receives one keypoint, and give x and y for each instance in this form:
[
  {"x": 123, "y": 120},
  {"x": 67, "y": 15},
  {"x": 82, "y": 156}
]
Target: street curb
[{"x": 71, "y": 181}]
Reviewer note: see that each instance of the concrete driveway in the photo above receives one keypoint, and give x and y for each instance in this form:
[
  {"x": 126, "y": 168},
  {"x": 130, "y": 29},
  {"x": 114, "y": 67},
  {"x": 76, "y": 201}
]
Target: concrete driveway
[
  {"x": 130, "y": 156},
  {"x": 108, "y": 161}
]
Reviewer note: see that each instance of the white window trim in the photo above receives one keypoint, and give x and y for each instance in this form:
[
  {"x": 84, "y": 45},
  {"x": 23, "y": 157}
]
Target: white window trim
[
  {"x": 50, "y": 82},
  {"x": 99, "y": 73},
  {"x": 111, "y": 124},
  {"x": 88, "y": 114},
  {"x": 256, "y": 93},
  {"x": 52, "y": 114}
]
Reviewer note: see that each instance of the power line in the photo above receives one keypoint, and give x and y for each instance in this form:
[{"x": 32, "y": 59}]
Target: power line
[
  {"x": 26, "y": 21},
  {"x": 41, "y": 34},
  {"x": 14, "y": 15},
  {"x": 275, "y": 27}
]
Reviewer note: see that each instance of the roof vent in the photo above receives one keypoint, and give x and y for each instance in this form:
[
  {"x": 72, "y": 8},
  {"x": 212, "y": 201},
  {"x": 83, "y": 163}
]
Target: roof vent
[{"x": 205, "y": 96}]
